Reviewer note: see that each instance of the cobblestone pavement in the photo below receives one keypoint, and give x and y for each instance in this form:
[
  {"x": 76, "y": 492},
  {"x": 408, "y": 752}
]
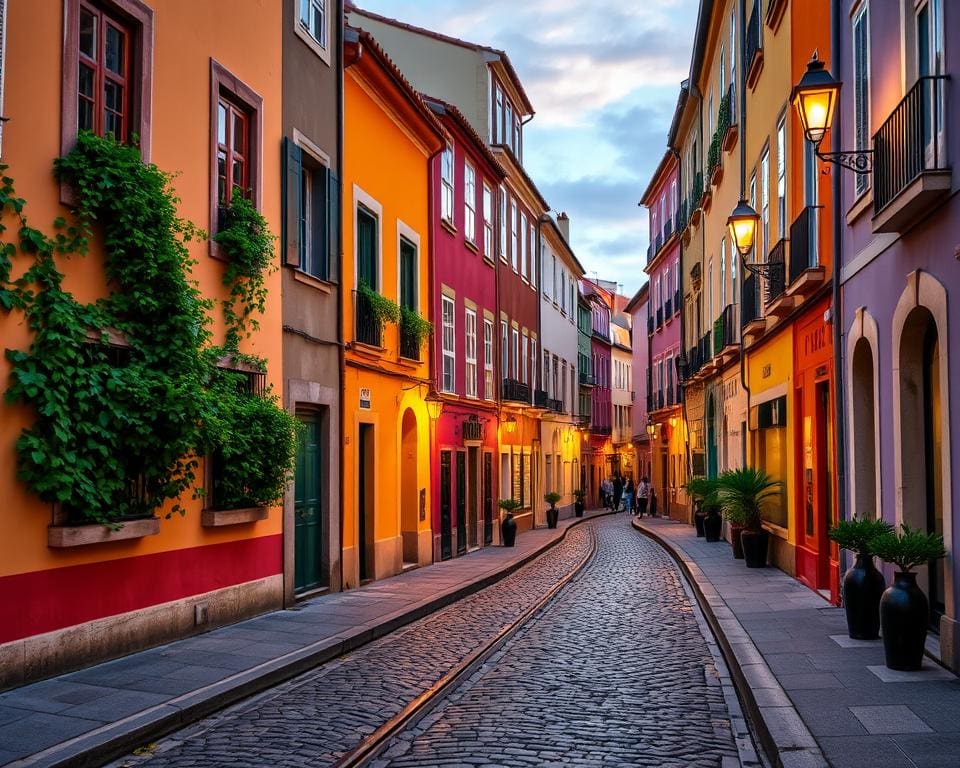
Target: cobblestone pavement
[
  {"x": 614, "y": 671},
  {"x": 315, "y": 718}
]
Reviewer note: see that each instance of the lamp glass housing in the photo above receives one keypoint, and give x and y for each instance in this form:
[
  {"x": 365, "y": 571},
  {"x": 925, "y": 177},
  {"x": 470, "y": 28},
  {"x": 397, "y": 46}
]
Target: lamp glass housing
[
  {"x": 815, "y": 99},
  {"x": 742, "y": 224},
  {"x": 510, "y": 425},
  {"x": 434, "y": 406}
]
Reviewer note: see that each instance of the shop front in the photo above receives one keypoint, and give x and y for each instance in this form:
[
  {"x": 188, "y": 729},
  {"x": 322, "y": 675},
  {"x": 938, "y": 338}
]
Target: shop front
[
  {"x": 815, "y": 508},
  {"x": 519, "y": 463}
]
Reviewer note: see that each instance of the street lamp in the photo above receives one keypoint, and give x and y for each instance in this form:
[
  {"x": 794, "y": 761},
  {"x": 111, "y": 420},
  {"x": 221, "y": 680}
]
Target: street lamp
[
  {"x": 434, "y": 405},
  {"x": 510, "y": 425},
  {"x": 651, "y": 429},
  {"x": 815, "y": 99},
  {"x": 673, "y": 422},
  {"x": 742, "y": 224}
]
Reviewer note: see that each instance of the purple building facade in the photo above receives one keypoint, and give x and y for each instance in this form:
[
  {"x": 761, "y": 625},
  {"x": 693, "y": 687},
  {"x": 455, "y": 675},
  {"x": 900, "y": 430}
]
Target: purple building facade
[{"x": 900, "y": 278}]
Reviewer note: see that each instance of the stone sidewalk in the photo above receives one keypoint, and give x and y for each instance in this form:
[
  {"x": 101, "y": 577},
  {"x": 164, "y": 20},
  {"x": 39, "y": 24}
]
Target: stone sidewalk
[
  {"x": 80, "y": 717},
  {"x": 816, "y": 696}
]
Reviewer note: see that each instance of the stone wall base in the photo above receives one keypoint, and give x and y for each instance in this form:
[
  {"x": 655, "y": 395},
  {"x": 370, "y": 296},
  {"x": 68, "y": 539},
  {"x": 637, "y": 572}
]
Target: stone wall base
[
  {"x": 950, "y": 643},
  {"x": 82, "y": 645}
]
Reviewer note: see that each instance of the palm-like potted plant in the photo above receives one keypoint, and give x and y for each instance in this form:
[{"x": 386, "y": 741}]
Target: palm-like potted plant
[
  {"x": 698, "y": 489},
  {"x": 552, "y": 497},
  {"x": 863, "y": 584},
  {"x": 508, "y": 526},
  {"x": 578, "y": 496},
  {"x": 744, "y": 492},
  {"x": 904, "y": 609}
]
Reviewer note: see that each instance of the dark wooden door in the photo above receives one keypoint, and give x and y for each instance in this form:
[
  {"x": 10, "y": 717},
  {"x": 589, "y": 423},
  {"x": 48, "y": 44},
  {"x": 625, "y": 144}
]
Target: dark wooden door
[
  {"x": 488, "y": 498},
  {"x": 308, "y": 509},
  {"x": 446, "y": 544},
  {"x": 461, "y": 502}
]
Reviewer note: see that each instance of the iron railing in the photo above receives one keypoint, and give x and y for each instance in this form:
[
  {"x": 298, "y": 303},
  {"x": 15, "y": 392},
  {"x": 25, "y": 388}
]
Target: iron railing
[
  {"x": 668, "y": 309},
  {"x": 724, "y": 329},
  {"x": 659, "y": 316},
  {"x": 410, "y": 342},
  {"x": 753, "y": 40},
  {"x": 705, "y": 347},
  {"x": 909, "y": 141},
  {"x": 540, "y": 398},
  {"x": 803, "y": 242},
  {"x": 586, "y": 378},
  {"x": 777, "y": 271},
  {"x": 473, "y": 431},
  {"x": 600, "y": 430},
  {"x": 670, "y": 396},
  {"x": 515, "y": 391},
  {"x": 368, "y": 328},
  {"x": 667, "y": 229},
  {"x": 555, "y": 405},
  {"x": 659, "y": 243},
  {"x": 750, "y": 304}
]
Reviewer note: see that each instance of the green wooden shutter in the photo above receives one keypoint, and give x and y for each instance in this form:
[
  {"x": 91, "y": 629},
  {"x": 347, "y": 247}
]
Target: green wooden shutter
[
  {"x": 367, "y": 248},
  {"x": 292, "y": 173},
  {"x": 408, "y": 274},
  {"x": 333, "y": 225},
  {"x": 318, "y": 222}
]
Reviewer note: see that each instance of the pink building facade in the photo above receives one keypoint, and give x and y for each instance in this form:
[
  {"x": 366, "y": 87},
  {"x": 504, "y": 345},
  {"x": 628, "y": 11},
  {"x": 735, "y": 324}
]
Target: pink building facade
[{"x": 639, "y": 310}]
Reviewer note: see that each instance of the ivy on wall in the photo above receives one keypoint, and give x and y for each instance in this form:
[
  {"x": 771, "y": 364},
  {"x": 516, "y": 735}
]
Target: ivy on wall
[{"x": 125, "y": 391}]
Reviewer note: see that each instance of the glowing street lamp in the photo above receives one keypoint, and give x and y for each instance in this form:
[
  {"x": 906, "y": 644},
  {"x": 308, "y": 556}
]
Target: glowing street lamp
[
  {"x": 815, "y": 99},
  {"x": 510, "y": 425},
  {"x": 434, "y": 405},
  {"x": 742, "y": 224}
]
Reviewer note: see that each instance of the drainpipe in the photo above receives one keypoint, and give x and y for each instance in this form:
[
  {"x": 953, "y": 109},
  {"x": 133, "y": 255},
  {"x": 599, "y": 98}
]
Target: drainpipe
[
  {"x": 836, "y": 315},
  {"x": 340, "y": 347},
  {"x": 742, "y": 85}
]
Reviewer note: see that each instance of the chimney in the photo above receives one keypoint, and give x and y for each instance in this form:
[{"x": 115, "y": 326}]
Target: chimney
[{"x": 563, "y": 221}]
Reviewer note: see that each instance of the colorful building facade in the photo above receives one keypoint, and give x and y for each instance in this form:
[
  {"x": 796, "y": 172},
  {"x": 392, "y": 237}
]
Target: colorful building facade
[
  {"x": 597, "y": 443},
  {"x": 639, "y": 310}
]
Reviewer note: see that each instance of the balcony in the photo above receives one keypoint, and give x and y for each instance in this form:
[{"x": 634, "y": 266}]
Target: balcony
[
  {"x": 586, "y": 379},
  {"x": 682, "y": 217},
  {"x": 725, "y": 337},
  {"x": 670, "y": 397},
  {"x": 754, "y": 48},
  {"x": 705, "y": 350},
  {"x": 728, "y": 119},
  {"x": 472, "y": 431},
  {"x": 513, "y": 391},
  {"x": 650, "y": 326},
  {"x": 911, "y": 173},
  {"x": 410, "y": 342},
  {"x": 603, "y": 431},
  {"x": 751, "y": 319},
  {"x": 676, "y": 302},
  {"x": 696, "y": 197},
  {"x": 650, "y": 403},
  {"x": 668, "y": 310},
  {"x": 805, "y": 274},
  {"x": 658, "y": 244},
  {"x": 367, "y": 328},
  {"x": 540, "y": 399},
  {"x": 779, "y": 303},
  {"x": 659, "y": 316},
  {"x": 554, "y": 405}
]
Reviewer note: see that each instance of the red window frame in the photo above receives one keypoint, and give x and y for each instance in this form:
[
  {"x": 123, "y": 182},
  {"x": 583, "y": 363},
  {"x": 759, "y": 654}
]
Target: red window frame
[
  {"x": 136, "y": 20},
  {"x": 234, "y": 151},
  {"x": 103, "y": 76}
]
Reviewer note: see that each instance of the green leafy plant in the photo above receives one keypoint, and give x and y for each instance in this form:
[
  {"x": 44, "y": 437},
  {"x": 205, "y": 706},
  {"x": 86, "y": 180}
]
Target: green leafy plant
[
  {"x": 857, "y": 535},
  {"x": 579, "y": 494},
  {"x": 908, "y": 549},
  {"x": 742, "y": 494},
  {"x": 416, "y": 327},
  {"x": 509, "y": 505},
  {"x": 701, "y": 488},
  {"x": 552, "y": 497},
  {"x": 382, "y": 309}
]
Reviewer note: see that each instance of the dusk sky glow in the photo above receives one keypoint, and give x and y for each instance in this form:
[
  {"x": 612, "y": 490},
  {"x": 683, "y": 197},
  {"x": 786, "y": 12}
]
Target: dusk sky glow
[{"x": 603, "y": 77}]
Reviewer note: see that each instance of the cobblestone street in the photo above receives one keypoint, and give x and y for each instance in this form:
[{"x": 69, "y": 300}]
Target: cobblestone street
[{"x": 614, "y": 670}]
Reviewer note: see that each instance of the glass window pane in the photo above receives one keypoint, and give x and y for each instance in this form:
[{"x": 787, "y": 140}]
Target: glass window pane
[
  {"x": 221, "y": 123},
  {"x": 238, "y": 141},
  {"x": 238, "y": 173},
  {"x": 88, "y": 34},
  {"x": 113, "y": 57},
  {"x": 84, "y": 114},
  {"x": 85, "y": 81},
  {"x": 112, "y": 124},
  {"x": 113, "y": 96},
  {"x": 221, "y": 175},
  {"x": 305, "y": 12}
]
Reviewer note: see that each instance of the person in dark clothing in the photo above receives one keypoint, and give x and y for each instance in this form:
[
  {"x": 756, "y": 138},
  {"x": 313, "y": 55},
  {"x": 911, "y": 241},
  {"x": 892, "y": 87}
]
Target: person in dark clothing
[
  {"x": 643, "y": 494},
  {"x": 617, "y": 492}
]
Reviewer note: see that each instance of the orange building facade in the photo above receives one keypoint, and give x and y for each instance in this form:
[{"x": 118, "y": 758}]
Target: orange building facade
[{"x": 154, "y": 73}]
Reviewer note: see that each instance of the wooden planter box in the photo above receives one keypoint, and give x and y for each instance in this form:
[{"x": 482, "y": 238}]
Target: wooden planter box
[
  {"x": 215, "y": 518},
  {"x": 81, "y": 535}
]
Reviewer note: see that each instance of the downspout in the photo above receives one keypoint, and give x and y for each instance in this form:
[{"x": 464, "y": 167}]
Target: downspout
[
  {"x": 742, "y": 85},
  {"x": 340, "y": 347},
  {"x": 835, "y": 313},
  {"x": 683, "y": 350}
]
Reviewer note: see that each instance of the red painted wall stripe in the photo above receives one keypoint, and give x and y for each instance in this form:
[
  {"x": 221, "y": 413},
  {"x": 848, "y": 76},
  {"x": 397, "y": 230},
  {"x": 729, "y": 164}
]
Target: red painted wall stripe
[{"x": 42, "y": 601}]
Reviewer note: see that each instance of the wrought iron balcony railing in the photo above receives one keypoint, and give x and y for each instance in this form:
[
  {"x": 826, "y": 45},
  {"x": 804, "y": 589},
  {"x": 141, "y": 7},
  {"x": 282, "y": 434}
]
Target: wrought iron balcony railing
[
  {"x": 368, "y": 329},
  {"x": 668, "y": 309},
  {"x": 540, "y": 398},
  {"x": 724, "y": 329},
  {"x": 659, "y": 316},
  {"x": 650, "y": 325},
  {"x": 776, "y": 280},
  {"x": 514, "y": 391},
  {"x": 586, "y": 378},
  {"x": 472, "y": 430},
  {"x": 676, "y": 302},
  {"x": 750, "y": 305},
  {"x": 410, "y": 342},
  {"x": 753, "y": 40},
  {"x": 803, "y": 242}
]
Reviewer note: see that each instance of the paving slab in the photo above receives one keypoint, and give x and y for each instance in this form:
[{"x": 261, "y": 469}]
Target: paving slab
[
  {"x": 121, "y": 702},
  {"x": 815, "y": 692}
]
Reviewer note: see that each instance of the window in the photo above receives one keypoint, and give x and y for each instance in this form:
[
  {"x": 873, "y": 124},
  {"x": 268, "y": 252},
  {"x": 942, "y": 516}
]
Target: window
[
  {"x": 673, "y": 200},
  {"x": 104, "y": 76},
  {"x": 313, "y": 20},
  {"x": 448, "y": 308},
  {"x": 861, "y": 88},
  {"x": 733, "y": 66},
  {"x": 723, "y": 71},
  {"x": 470, "y": 202},
  {"x": 498, "y": 116},
  {"x": 546, "y": 369},
  {"x": 487, "y": 221},
  {"x": 235, "y": 144},
  {"x": 533, "y": 263},
  {"x": 408, "y": 274},
  {"x": 524, "y": 266},
  {"x": 503, "y": 224},
  {"x": 470, "y": 352},
  {"x": 517, "y": 148},
  {"x": 446, "y": 184},
  {"x": 526, "y": 355},
  {"x": 507, "y": 122},
  {"x": 782, "y": 178},
  {"x": 765, "y": 204},
  {"x": 310, "y": 231},
  {"x": 710, "y": 314},
  {"x": 368, "y": 247},
  {"x": 723, "y": 272},
  {"x": 515, "y": 240},
  {"x": 734, "y": 295},
  {"x": 515, "y": 338},
  {"x": 504, "y": 351},
  {"x": 488, "y": 359},
  {"x": 533, "y": 363}
]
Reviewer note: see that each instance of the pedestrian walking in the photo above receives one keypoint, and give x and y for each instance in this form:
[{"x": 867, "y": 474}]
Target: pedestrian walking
[
  {"x": 653, "y": 501},
  {"x": 643, "y": 494},
  {"x": 617, "y": 492},
  {"x": 606, "y": 493},
  {"x": 628, "y": 496}
]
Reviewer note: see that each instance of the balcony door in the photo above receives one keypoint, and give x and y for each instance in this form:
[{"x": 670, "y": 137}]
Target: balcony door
[
  {"x": 930, "y": 64},
  {"x": 367, "y": 248}
]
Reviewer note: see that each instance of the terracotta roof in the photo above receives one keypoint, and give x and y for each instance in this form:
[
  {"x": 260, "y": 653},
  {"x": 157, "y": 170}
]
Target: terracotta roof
[
  {"x": 501, "y": 54},
  {"x": 442, "y": 108}
]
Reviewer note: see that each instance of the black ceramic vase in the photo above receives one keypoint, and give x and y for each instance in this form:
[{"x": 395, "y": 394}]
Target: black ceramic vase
[
  {"x": 712, "y": 525},
  {"x": 698, "y": 517},
  {"x": 863, "y": 587},
  {"x": 552, "y": 515},
  {"x": 755, "y": 545},
  {"x": 508, "y": 530},
  {"x": 578, "y": 508},
  {"x": 735, "y": 541},
  {"x": 904, "y": 613}
]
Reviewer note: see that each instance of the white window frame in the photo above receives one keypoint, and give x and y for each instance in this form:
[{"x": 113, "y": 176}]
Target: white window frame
[
  {"x": 723, "y": 273},
  {"x": 408, "y": 233},
  {"x": 448, "y": 343},
  {"x": 514, "y": 240},
  {"x": 861, "y": 141},
  {"x": 488, "y": 221},
  {"x": 488, "y": 389},
  {"x": 447, "y": 184},
  {"x": 515, "y": 349},
  {"x": 319, "y": 47},
  {"x": 504, "y": 350},
  {"x": 469, "y": 202},
  {"x": 503, "y": 224},
  {"x": 782, "y": 176},
  {"x": 524, "y": 267},
  {"x": 533, "y": 262},
  {"x": 470, "y": 352},
  {"x": 764, "y": 205},
  {"x": 526, "y": 357}
]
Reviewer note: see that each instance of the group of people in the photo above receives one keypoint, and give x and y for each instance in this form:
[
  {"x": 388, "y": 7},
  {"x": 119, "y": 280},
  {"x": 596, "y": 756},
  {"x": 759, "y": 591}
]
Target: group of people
[{"x": 617, "y": 494}]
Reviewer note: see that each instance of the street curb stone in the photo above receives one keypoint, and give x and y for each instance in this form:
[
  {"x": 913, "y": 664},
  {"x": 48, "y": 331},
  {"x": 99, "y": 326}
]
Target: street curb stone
[
  {"x": 116, "y": 739},
  {"x": 781, "y": 732}
]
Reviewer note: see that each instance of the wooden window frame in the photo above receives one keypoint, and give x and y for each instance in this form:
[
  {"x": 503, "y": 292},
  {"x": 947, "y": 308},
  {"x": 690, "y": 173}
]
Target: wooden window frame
[
  {"x": 224, "y": 83},
  {"x": 139, "y": 18},
  {"x": 321, "y": 48},
  {"x": 448, "y": 355}
]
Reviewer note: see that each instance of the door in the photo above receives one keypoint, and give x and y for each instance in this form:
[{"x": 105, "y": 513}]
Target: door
[
  {"x": 365, "y": 502},
  {"x": 933, "y": 480},
  {"x": 488, "y": 498},
  {"x": 930, "y": 64},
  {"x": 446, "y": 545},
  {"x": 473, "y": 477},
  {"x": 824, "y": 483},
  {"x": 308, "y": 509},
  {"x": 461, "y": 502}
]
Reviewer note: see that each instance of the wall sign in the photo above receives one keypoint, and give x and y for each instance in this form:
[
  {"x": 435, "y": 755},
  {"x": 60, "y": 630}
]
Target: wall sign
[{"x": 366, "y": 397}]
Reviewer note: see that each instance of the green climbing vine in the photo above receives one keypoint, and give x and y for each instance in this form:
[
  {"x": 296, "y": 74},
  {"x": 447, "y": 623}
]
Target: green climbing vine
[{"x": 125, "y": 394}]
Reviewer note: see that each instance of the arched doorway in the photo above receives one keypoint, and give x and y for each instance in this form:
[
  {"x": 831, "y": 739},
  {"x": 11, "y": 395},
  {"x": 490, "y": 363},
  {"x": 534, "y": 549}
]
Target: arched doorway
[
  {"x": 921, "y": 441},
  {"x": 409, "y": 502},
  {"x": 864, "y": 415},
  {"x": 711, "y": 437}
]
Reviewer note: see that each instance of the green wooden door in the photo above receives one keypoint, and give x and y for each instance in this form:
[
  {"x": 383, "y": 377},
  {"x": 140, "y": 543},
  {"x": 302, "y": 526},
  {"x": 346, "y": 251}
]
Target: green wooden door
[{"x": 308, "y": 509}]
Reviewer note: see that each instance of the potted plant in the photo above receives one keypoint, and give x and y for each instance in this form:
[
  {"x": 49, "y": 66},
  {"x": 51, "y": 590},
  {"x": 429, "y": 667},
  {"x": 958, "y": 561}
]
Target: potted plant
[
  {"x": 744, "y": 492},
  {"x": 904, "y": 610},
  {"x": 712, "y": 521},
  {"x": 863, "y": 584},
  {"x": 736, "y": 520},
  {"x": 699, "y": 488},
  {"x": 578, "y": 496},
  {"x": 508, "y": 526},
  {"x": 552, "y": 497}
]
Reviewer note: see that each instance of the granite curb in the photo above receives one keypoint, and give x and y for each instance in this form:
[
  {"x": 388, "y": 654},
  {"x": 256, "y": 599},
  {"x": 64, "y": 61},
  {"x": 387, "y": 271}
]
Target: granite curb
[
  {"x": 782, "y": 734},
  {"x": 118, "y": 738}
]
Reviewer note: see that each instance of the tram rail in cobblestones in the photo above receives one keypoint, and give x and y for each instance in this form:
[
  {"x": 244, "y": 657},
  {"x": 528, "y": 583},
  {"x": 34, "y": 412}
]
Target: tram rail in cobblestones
[{"x": 378, "y": 741}]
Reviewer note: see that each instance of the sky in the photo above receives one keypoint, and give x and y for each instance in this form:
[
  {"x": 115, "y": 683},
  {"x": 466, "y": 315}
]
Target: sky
[{"x": 603, "y": 76}]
